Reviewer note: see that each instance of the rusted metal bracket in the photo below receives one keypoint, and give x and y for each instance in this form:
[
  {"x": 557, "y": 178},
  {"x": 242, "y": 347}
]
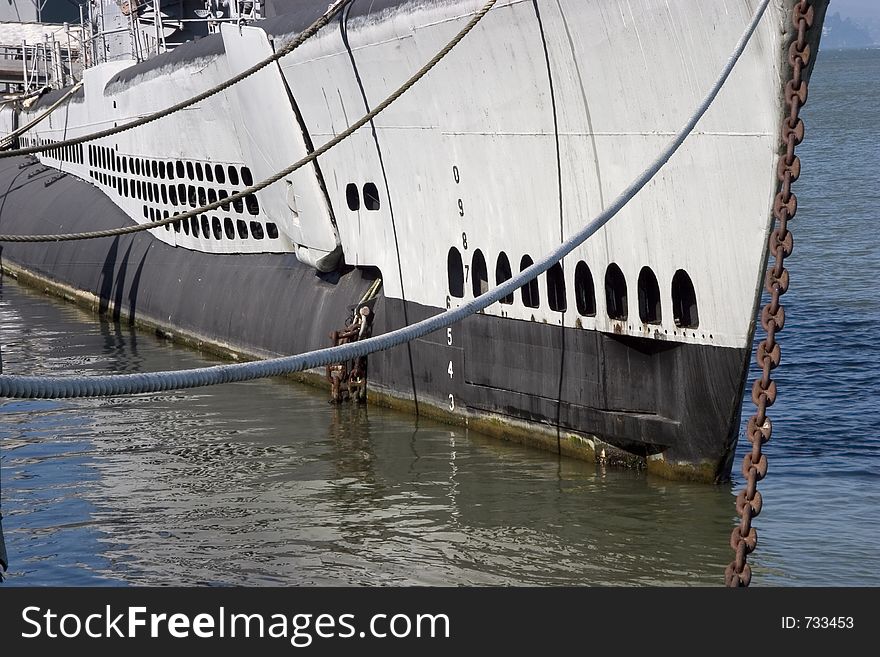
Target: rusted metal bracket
[{"x": 348, "y": 379}]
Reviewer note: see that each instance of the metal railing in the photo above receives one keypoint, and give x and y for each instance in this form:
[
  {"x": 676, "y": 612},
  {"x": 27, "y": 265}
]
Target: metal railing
[{"x": 54, "y": 62}]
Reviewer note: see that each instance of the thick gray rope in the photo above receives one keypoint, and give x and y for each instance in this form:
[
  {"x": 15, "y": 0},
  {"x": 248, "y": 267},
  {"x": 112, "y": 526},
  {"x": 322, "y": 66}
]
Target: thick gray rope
[
  {"x": 110, "y": 232},
  {"x": 8, "y": 139},
  {"x": 43, "y": 387},
  {"x": 310, "y": 31}
]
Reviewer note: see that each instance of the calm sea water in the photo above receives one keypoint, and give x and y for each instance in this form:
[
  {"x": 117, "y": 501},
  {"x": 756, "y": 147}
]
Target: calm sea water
[{"x": 265, "y": 483}]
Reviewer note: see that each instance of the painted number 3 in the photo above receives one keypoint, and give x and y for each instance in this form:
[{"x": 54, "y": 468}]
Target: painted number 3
[{"x": 451, "y": 402}]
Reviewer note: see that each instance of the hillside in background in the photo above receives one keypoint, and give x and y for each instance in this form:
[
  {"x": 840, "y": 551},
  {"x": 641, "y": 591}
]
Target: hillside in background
[{"x": 839, "y": 32}]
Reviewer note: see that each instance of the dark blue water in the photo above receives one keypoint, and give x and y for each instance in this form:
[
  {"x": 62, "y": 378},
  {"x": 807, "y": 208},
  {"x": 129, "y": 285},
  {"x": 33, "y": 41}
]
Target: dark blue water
[{"x": 265, "y": 483}]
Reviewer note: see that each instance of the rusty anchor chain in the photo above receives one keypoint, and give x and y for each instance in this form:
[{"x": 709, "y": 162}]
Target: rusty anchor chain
[{"x": 744, "y": 537}]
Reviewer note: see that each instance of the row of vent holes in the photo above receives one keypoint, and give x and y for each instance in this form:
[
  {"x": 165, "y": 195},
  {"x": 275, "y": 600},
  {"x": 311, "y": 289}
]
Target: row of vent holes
[
  {"x": 214, "y": 226},
  {"x": 105, "y": 158},
  {"x": 371, "y": 197},
  {"x": 72, "y": 153},
  {"x": 684, "y": 298},
  {"x": 196, "y": 196}
]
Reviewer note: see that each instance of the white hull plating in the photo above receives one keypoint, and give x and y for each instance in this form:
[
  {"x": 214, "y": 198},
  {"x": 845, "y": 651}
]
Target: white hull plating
[{"x": 540, "y": 116}]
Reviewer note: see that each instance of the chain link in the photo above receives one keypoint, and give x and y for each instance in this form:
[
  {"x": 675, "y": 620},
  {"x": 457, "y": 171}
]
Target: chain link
[{"x": 749, "y": 502}]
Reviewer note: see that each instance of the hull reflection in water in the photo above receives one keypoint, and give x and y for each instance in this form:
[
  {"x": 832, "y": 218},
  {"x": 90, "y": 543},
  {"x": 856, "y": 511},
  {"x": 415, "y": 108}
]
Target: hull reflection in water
[{"x": 266, "y": 483}]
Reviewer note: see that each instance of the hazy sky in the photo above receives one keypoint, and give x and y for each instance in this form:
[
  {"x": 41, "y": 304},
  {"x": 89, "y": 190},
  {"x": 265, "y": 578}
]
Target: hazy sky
[{"x": 856, "y": 8}]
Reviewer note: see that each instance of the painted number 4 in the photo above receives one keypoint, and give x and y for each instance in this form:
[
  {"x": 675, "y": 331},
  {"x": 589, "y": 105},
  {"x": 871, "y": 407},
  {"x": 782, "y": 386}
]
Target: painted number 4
[{"x": 449, "y": 369}]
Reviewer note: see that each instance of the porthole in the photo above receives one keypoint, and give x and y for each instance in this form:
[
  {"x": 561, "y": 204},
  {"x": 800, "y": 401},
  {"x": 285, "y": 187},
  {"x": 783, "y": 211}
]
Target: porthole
[
  {"x": 530, "y": 295},
  {"x": 242, "y": 229},
  {"x": 371, "y": 197},
  {"x": 209, "y": 173},
  {"x": 246, "y": 177},
  {"x": 352, "y": 197},
  {"x": 256, "y": 230},
  {"x": 229, "y": 228},
  {"x": 169, "y": 170},
  {"x": 206, "y": 227},
  {"x": 203, "y": 197},
  {"x": 219, "y": 173},
  {"x": 271, "y": 231},
  {"x": 556, "y": 298},
  {"x": 222, "y": 195},
  {"x": 615, "y": 292},
  {"x": 191, "y": 195},
  {"x": 503, "y": 273},
  {"x": 455, "y": 273},
  {"x": 584, "y": 290},
  {"x": 238, "y": 204},
  {"x": 172, "y": 194},
  {"x": 212, "y": 195},
  {"x": 180, "y": 169},
  {"x": 649, "y": 297},
  {"x": 190, "y": 171},
  {"x": 479, "y": 274},
  {"x": 217, "y": 228},
  {"x": 253, "y": 207},
  {"x": 161, "y": 167},
  {"x": 684, "y": 301},
  {"x": 155, "y": 168},
  {"x": 233, "y": 175},
  {"x": 137, "y": 167},
  {"x": 199, "y": 173},
  {"x": 164, "y": 194},
  {"x": 185, "y": 226}
]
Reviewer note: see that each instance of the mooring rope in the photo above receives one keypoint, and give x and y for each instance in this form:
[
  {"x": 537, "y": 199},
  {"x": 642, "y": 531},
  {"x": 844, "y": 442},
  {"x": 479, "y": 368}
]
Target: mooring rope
[
  {"x": 8, "y": 139},
  {"x": 310, "y": 31},
  {"x": 43, "y": 387},
  {"x": 183, "y": 216}
]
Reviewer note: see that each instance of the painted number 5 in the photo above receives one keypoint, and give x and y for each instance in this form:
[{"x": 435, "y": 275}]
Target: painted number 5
[{"x": 449, "y": 336}]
